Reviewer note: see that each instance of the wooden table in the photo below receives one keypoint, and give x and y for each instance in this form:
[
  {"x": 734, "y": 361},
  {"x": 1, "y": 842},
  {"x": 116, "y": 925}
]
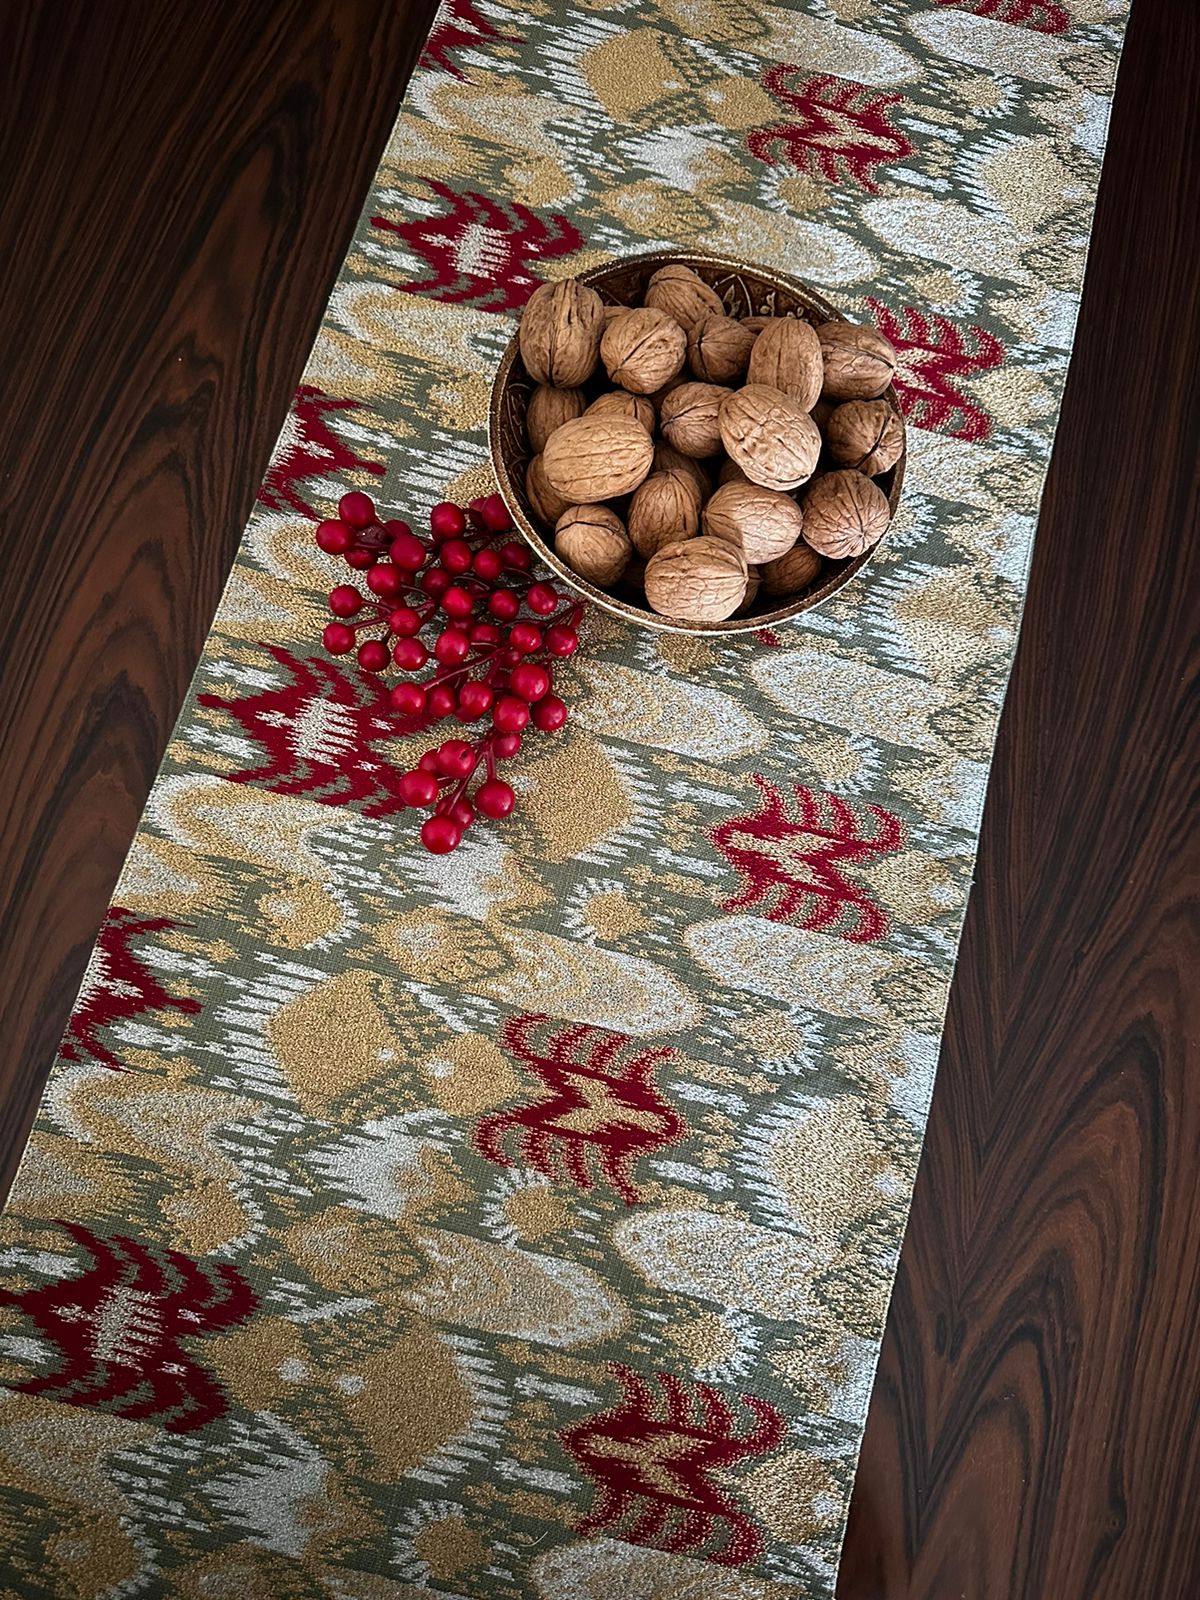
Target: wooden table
[{"x": 180, "y": 185}]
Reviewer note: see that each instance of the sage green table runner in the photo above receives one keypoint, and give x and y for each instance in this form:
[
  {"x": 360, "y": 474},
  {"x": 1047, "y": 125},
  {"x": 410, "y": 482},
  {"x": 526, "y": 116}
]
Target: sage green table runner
[{"x": 519, "y": 1225}]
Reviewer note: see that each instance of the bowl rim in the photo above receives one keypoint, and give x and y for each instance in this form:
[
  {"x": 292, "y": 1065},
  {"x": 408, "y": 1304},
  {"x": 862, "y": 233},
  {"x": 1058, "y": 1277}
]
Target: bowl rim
[{"x": 511, "y": 492}]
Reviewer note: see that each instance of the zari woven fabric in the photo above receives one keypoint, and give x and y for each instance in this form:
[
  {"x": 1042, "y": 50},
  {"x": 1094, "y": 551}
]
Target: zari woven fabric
[{"x": 520, "y": 1225}]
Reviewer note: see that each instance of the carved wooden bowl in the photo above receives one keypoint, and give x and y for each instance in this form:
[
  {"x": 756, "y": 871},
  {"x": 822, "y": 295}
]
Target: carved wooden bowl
[{"x": 746, "y": 291}]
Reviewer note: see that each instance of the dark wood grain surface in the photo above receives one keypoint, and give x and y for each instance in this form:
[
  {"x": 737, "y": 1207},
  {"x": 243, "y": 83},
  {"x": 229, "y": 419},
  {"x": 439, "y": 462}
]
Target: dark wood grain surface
[{"x": 179, "y": 185}]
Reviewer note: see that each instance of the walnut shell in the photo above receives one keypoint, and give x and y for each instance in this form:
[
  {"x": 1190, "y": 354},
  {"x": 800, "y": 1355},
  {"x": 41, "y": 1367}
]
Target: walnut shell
[
  {"x": 689, "y": 418},
  {"x": 753, "y": 584},
  {"x": 697, "y": 580},
  {"x": 643, "y": 350},
  {"x": 613, "y": 311},
  {"x": 761, "y": 523},
  {"x": 659, "y": 397},
  {"x": 593, "y": 542},
  {"x": 772, "y": 439},
  {"x": 545, "y": 501},
  {"x": 822, "y": 411},
  {"x": 865, "y": 434},
  {"x": 719, "y": 349},
  {"x": 859, "y": 362},
  {"x": 668, "y": 459},
  {"x": 559, "y": 334},
  {"x": 548, "y": 409},
  {"x": 664, "y": 509},
  {"x": 683, "y": 295},
  {"x": 787, "y": 356},
  {"x": 620, "y": 403},
  {"x": 755, "y": 324},
  {"x": 597, "y": 458},
  {"x": 791, "y": 572},
  {"x": 844, "y": 514},
  {"x": 731, "y": 473}
]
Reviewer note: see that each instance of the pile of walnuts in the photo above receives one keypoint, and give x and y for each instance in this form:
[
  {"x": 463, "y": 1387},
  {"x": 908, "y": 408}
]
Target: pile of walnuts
[{"x": 678, "y": 486}]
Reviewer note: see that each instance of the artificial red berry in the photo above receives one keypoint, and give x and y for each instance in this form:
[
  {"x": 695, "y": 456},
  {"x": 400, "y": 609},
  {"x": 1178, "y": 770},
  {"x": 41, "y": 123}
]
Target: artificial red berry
[
  {"x": 442, "y": 700},
  {"x": 345, "y": 600},
  {"x": 451, "y": 646},
  {"x": 506, "y": 745},
  {"x": 561, "y": 640},
  {"x": 429, "y": 762},
  {"x": 360, "y": 559},
  {"x": 407, "y": 551},
  {"x": 456, "y": 758},
  {"x": 515, "y": 555},
  {"x": 495, "y": 798},
  {"x": 504, "y": 604},
  {"x": 530, "y": 681},
  {"x": 384, "y": 581},
  {"x": 457, "y": 602},
  {"x": 447, "y": 521},
  {"x": 418, "y": 788},
  {"x": 372, "y": 656},
  {"x": 541, "y": 599},
  {"x": 509, "y": 714},
  {"x": 456, "y": 556},
  {"x": 474, "y": 699},
  {"x": 356, "y": 509},
  {"x": 462, "y": 814},
  {"x": 485, "y": 633},
  {"x": 549, "y": 714},
  {"x": 334, "y": 538},
  {"x": 525, "y": 637},
  {"x": 410, "y": 655},
  {"x": 405, "y": 621},
  {"x": 408, "y": 699},
  {"x": 441, "y": 834},
  {"x": 394, "y": 527},
  {"x": 338, "y": 639},
  {"x": 436, "y": 581},
  {"x": 492, "y": 512},
  {"x": 487, "y": 564}
]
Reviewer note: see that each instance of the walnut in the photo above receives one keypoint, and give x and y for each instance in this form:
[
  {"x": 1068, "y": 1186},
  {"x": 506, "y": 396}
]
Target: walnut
[
  {"x": 761, "y": 523},
  {"x": 731, "y": 473},
  {"x": 791, "y": 572},
  {"x": 689, "y": 418},
  {"x": 643, "y": 350},
  {"x": 787, "y": 356},
  {"x": 659, "y": 397},
  {"x": 664, "y": 509},
  {"x": 620, "y": 403},
  {"x": 545, "y": 501},
  {"x": 719, "y": 349},
  {"x": 755, "y": 324},
  {"x": 697, "y": 580},
  {"x": 844, "y": 514},
  {"x": 859, "y": 362},
  {"x": 772, "y": 439},
  {"x": 548, "y": 409},
  {"x": 683, "y": 295},
  {"x": 753, "y": 584},
  {"x": 613, "y": 311},
  {"x": 597, "y": 458},
  {"x": 822, "y": 412},
  {"x": 593, "y": 542},
  {"x": 865, "y": 434},
  {"x": 559, "y": 335},
  {"x": 667, "y": 459}
]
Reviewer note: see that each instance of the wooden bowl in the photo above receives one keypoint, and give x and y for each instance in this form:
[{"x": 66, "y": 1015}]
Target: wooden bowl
[{"x": 746, "y": 291}]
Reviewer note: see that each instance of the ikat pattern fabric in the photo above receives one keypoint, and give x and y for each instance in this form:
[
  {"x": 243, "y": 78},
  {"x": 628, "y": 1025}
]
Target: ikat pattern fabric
[{"x": 520, "y": 1225}]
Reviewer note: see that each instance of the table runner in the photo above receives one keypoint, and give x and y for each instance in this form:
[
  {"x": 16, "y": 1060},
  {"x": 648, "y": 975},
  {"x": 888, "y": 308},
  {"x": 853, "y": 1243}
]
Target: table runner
[{"x": 522, "y": 1223}]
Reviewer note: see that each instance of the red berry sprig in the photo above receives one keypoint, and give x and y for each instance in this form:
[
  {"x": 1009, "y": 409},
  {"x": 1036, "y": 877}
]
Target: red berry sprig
[{"x": 466, "y": 585}]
